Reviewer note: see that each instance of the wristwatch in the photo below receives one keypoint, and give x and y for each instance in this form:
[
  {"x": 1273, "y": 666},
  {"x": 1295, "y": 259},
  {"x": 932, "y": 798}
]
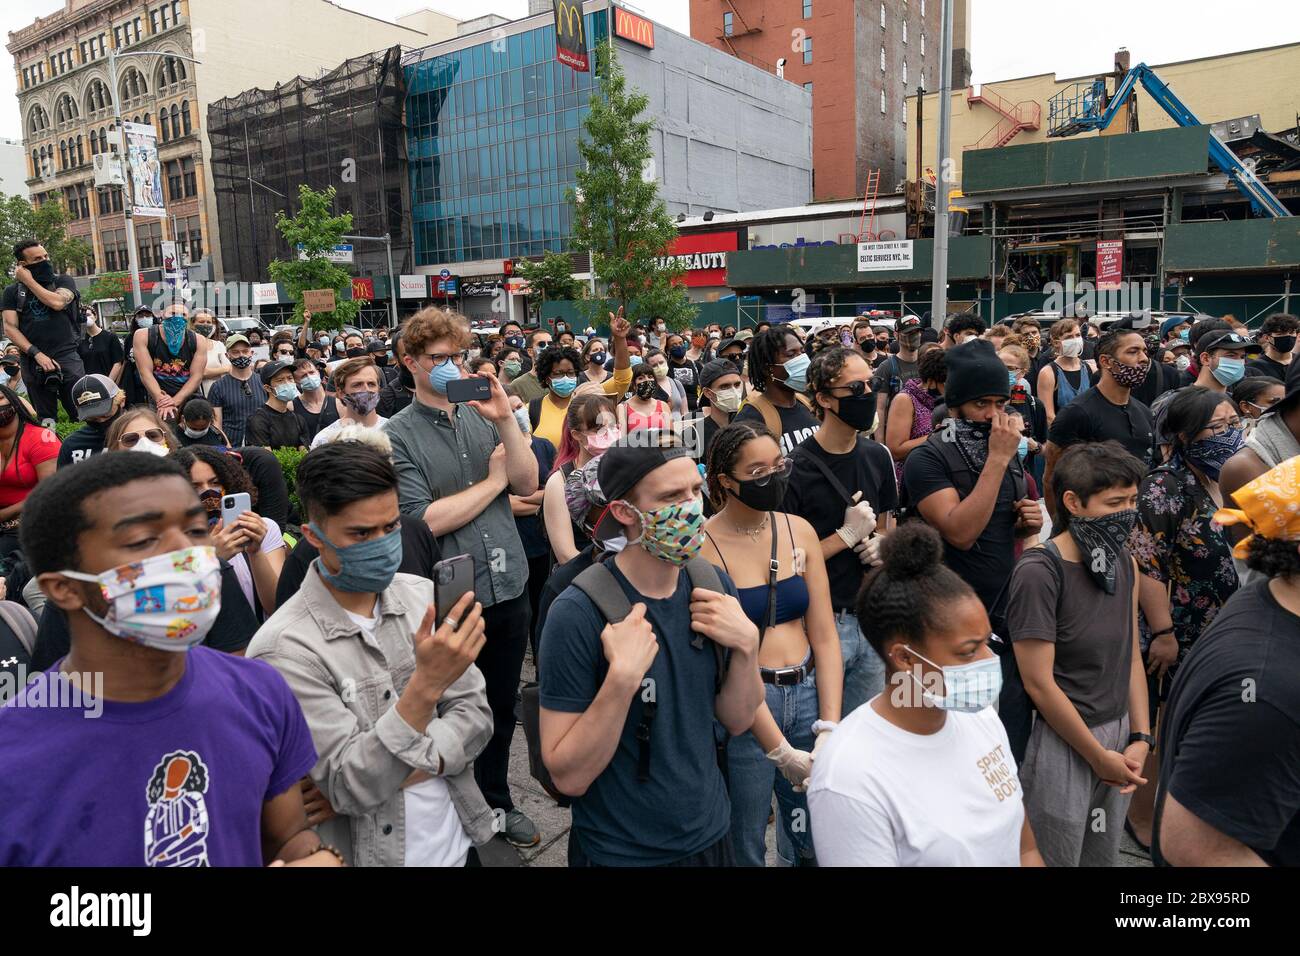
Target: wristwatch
[{"x": 1145, "y": 738}]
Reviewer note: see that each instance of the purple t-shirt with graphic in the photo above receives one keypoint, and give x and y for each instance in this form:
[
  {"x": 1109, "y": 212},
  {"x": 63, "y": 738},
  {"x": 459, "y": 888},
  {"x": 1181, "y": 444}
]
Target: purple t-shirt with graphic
[{"x": 176, "y": 781}]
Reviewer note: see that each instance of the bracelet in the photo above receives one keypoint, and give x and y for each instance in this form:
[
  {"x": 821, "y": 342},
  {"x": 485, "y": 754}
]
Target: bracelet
[
  {"x": 821, "y": 725},
  {"x": 1161, "y": 633},
  {"x": 327, "y": 848}
]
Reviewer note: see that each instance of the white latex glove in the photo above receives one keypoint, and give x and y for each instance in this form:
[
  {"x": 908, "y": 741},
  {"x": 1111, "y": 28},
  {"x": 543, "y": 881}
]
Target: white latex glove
[
  {"x": 795, "y": 765},
  {"x": 859, "y": 522},
  {"x": 868, "y": 550},
  {"x": 817, "y": 744}
]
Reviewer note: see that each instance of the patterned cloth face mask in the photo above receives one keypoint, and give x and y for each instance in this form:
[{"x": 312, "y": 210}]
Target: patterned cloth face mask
[
  {"x": 1102, "y": 540},
  {"x": 168, "y": 602},
  {"x": 673, "y": 533}
]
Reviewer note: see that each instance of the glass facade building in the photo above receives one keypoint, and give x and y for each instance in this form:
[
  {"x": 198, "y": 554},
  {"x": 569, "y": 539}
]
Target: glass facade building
[{"x": 493, "y": 146}]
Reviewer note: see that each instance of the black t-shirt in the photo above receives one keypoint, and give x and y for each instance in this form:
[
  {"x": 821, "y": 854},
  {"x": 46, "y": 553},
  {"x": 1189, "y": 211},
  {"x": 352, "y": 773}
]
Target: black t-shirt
[
  {"x": 1160, "y": 379},
  {"x": 987, "y": 565},
  {"x": 1266, "y": 366},
  {"x": 797, "y": 423},
  {"x": 51, "y": 332},
  {"x": 313, "y": 422},
  {"x": 869, "y": 468},
  {"x": 100, "y": 352},
  {"x": 268, "y": 477},
  {"x": 211, "y": 439},
  {"x": 1230, "y": 735},
  {"x": 231, "y": 631},
  {"x": 419, "y": 555},
  {"x": 272, "y": 429},
  {"x": 688, "y": 377},
  {"x": 393, "y": 398},
  {"x": 86, "y": 441},
  {"x": 1093, "y": 418}
]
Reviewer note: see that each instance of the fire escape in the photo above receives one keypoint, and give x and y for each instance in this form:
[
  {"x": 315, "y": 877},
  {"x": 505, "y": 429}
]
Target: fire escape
[
  {"x": 726, "y": 38},
  {"x": 1021, "y": 116}
]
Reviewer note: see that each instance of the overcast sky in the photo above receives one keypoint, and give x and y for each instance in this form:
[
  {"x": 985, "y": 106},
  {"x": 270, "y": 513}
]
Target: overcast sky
[{"x": 1009, "y": 38}]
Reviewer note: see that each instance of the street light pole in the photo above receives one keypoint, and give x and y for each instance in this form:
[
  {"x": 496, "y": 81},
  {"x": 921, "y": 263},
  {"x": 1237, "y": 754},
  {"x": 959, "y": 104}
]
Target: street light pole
[
  {"x": 387, "y": 240},
  {"x": 128, "y": 206},
  {"x": 939, "y": 278}
]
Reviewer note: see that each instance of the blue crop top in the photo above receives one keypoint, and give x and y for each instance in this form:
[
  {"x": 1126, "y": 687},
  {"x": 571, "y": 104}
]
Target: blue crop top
[{"x": 791, "y": 595}]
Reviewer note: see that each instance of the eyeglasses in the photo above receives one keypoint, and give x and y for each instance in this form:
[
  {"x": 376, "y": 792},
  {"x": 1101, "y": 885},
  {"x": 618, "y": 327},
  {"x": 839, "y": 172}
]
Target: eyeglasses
[
  {"x": 155, "y": 435},
  {"x": 762, "y": 476},
  {"x": 440, "y": 358},
  {"x": 1221, "y": 429},
  {"x": 856, "y": 389}
]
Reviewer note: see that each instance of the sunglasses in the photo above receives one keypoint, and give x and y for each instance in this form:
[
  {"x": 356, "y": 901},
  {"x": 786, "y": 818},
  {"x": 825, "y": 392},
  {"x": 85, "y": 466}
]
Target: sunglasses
[{"x": 155, "y": 435}]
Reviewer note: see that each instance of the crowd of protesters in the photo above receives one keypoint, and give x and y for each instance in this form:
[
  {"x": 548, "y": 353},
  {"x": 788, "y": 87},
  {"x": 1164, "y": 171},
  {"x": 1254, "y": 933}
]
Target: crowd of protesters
[{"x": 906, "y": 592}]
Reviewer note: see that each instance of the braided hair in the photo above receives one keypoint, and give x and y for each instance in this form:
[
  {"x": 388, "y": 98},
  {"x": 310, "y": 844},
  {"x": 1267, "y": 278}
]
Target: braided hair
[
  {"x": 765, "y": 351},
  {"x": 724, "y": 450},
  {"x": 907, "y": 596}
]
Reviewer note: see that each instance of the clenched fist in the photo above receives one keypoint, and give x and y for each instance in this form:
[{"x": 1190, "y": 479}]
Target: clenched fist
[{"x": 630, "y": 646}]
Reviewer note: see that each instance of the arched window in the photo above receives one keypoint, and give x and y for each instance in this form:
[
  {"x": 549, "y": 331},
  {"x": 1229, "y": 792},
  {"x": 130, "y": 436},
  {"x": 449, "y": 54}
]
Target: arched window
[
  {"x": 36, "y": 164},
  {"x": 81, "y": 152},
  {"x": 171, "y": 72},
  {"x": 164, "y": 121},
  {"x": 185, "y": 116},
  {"x": 176, "y": 121},
  {"x": 98, "y": 97},
  {"x": 133, "y": 85},
  {"x": 103, "y": 141},
  {"x": 63, "y": 154},
  {"x": 65, "y": 110},
  {"x": 37, "y": 120}
]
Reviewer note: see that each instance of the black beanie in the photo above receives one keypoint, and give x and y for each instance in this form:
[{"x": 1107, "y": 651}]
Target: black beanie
[{"x": 974, "y": 371}]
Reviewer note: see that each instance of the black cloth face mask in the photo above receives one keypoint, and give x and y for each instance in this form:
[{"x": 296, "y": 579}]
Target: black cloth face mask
[{"x": 1102, "y": 542}]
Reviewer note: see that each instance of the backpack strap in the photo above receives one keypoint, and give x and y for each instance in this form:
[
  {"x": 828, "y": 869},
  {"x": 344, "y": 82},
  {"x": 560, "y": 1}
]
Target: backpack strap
[
  {"x": 771, "y": 417},
  {"x": 705, "y": 575},
  {"x": 599, "y": 584},
  {"x": 21, "y": 622}
]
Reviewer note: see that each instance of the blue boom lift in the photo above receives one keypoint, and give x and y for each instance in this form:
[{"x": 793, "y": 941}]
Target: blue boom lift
[{"x": 1084, "y": 106}]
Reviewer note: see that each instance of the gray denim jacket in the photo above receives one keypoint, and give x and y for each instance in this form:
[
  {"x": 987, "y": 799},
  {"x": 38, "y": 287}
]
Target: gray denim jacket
[{"x": 348, "y": 689}]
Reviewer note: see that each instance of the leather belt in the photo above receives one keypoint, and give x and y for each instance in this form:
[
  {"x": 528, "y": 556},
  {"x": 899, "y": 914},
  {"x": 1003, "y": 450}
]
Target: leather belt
[{"x": 788, "y": 676}]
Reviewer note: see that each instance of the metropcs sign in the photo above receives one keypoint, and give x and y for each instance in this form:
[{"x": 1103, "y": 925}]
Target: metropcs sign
[{"x": 636, "y": 29}]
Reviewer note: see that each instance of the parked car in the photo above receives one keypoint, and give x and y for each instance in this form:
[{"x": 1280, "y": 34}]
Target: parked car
[{"x": 244, "y": 325}]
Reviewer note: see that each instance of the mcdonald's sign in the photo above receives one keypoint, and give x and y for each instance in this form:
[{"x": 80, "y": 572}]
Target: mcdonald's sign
[
  {"x": 571, "y": 35},
  {"x": 638, "y": 30}
]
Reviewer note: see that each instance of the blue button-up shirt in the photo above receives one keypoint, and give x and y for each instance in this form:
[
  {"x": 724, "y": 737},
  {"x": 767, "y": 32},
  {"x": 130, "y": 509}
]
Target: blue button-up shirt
[{"x": 436, "y": 458}]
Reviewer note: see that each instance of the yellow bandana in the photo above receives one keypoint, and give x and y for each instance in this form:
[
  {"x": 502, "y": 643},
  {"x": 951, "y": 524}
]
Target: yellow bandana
[{"x": 1270, "y": 506}]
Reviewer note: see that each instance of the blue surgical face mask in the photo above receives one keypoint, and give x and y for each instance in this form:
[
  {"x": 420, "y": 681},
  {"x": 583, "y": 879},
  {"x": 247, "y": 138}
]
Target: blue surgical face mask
[
  {"x": 1229, "y": 371},
  {"x": 968, "y": 688},
  {"x": 634, "y": 361},
  {"x": 144, "y": 322},
  {"x": 1023, "y": 449},
  {"x": 310, "y": 383},
  {"x": 366, "y": 567},
  {"x": 796, "y": 371},
  {"x": 564, "y": 386},
  {"x": 440, "y": 375},
  {"x": 1011, "y": 376},
  {"x": 286, "y": 391}
]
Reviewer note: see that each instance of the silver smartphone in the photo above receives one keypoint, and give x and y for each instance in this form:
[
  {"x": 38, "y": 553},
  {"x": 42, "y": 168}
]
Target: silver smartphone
[{"x": 232, "y": 506}]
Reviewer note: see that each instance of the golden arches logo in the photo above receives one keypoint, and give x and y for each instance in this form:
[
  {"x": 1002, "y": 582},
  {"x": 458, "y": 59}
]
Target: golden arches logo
[{"x": 565, "y": 13}]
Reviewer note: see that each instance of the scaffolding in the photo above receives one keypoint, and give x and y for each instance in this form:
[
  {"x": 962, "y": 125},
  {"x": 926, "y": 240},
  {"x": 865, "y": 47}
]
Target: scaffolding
[{"x": 344, "y": 129}]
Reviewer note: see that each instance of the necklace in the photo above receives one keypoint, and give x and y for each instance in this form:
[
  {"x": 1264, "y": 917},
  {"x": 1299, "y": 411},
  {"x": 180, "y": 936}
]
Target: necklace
[{"x": 752, "y": 532}]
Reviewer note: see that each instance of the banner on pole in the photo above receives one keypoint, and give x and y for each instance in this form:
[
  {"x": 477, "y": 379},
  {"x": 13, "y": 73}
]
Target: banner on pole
[
  {"x": 571, "y": 35},
  {"x": 146, "y": 171},
  {"x": 1110, "y": 264}
]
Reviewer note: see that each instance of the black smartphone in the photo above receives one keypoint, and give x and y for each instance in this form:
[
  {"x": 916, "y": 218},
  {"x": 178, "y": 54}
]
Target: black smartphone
[
  {"x": 452, "y": 579},
  {"x": 476, "y": 388}
]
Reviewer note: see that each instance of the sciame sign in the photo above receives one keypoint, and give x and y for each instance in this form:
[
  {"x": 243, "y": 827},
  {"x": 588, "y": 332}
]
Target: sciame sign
[{"x": 885, "y": 256}]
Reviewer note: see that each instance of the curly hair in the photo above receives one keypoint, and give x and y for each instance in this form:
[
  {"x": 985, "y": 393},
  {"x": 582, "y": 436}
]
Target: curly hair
[
  {"x": 764, "y": 351},
  {"x": 552, "y": 356},
  {"x": 824, "y": 368},
  {"x": 431, "y": 324},
  {"x": 234, "y": 479},
  {"x": 723, "y": 452},
  {"x": 933, "y": 366},
  {"x": 1274, "y": 557}
]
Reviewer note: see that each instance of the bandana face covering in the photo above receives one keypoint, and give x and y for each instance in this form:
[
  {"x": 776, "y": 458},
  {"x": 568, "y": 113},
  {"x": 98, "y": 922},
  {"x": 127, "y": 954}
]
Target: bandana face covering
[
  {"x": 167, "y": 602},
  {"x": 1101, "y": 541},
  {"x": 973, "y": 441},
  {"x": 1211, "y": 454}
]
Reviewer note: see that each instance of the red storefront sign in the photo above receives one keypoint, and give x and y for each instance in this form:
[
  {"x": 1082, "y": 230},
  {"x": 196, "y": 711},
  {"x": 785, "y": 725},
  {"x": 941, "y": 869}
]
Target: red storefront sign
[
  {"x": 703, "y": 255},
  {"x": 1110, "y": 264},
  {"x": 638, "y": 30},
  {"x": 363, "y": 289}
]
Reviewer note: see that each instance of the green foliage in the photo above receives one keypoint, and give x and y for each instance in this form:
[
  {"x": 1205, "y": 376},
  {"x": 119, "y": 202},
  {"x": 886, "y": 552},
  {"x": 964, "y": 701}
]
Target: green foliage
[
  {"x": 318, "y": 230},
  {"x": 618, "y": 214},
  {"x": 109, "y": 285},
  {"x": 289, "y": 459},
  {"x": 550, "y": 279},
  {"x": 20, "y": 220}
]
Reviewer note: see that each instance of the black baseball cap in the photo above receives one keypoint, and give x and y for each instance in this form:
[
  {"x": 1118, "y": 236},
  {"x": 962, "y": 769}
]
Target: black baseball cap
[
  {"x": 908, "y": 323},
  {"x": 1222, "y": 339},
  {"x": 269, "y": 372},
  {"x": 93, "y": 396},
  {"x": 622, "y": 466},
  {"x": 727, "y": 343},
  {"x": 375, "y": 345},
  {"x": 714, "y": 370}
]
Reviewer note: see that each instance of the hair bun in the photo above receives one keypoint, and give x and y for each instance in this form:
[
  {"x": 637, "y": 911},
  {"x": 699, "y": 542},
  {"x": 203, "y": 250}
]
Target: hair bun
[{"x": 912, "y": 551}]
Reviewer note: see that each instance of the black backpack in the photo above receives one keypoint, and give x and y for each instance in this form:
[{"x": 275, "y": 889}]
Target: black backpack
[{"x": 600, "y": 585}]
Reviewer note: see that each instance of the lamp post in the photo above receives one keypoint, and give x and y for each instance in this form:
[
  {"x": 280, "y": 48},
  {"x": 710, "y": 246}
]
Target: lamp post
[
  {"x": 128, "y": 207},
  {"x": 939, "y": 278},
  {"x": 387, "y": 240}
]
